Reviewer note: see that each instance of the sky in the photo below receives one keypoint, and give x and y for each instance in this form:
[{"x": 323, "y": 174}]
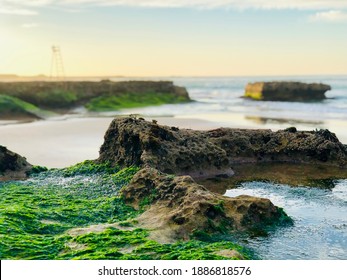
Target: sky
[{"x": 174, "y": 38}]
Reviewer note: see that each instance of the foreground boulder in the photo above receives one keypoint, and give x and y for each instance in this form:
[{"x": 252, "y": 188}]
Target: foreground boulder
[
  {"x": 130, "y": 141},
  {"x": 12, "y": 165},
  {"x": 178, "y": 207},
  {"x": 286, "y": 91}
]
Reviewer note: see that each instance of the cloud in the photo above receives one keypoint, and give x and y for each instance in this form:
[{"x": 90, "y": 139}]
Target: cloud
[
  {"x": 29, "y": 25},
  {"x": 237, "y": 4},
  {"x": 30, "y": 7},
  {"x": 29, "y": 3},
  {"x": 16, "y": 11},
  {"x": 330, "y": 16},
  {"x": 11, "y": 7},
  {"x": 261, "y": 4}
]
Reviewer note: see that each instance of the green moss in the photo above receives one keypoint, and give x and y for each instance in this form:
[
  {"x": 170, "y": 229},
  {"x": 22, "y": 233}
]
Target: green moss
[
  {"x": 284, "y": 219},
  {"x": 219, "y": 207},
  {"x": 56, "y": 98},
  {"x": 89, "y": 167},
  {"x": 148, "y": 200},
  {"x": 37, "y": 169},
  {"x": 36, "y": 216},
  {"x": 44, "y": 207},
  {"x": 132, "y": 100},
  {"x": 12, "y": 106},
  {"x": 134, "y": 245},
  {"x": 187, "y": 250},
  {"x": 201, "y": 235},
  {"x": 126, "y": 224},
  {"x": 30, "y": 246}
]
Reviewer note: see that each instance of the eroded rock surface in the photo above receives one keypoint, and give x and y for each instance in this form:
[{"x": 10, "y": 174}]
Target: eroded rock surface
[
  {"x": 178, "y": 207},
  {"x": 286, "y": 91},
  {"x": 12, "y": 165},
  {"x": 130, "y": 141}
]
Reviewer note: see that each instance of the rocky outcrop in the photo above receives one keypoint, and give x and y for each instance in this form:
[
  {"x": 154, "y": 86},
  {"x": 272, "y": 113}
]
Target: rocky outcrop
[
  {"x": 177, "y": 207},
  {"x": 70, "y": 94},
  {"x": 131, "y": 141},
  {"x": 12, "y": 108},
  {"x": 286, "y": 91},
  {"x": 12, "y": 165}
]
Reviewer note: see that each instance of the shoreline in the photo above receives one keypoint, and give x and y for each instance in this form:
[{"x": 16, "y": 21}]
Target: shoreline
[
  {"x": 58, "y": 143},
  {"x": 67, "y": 140}
]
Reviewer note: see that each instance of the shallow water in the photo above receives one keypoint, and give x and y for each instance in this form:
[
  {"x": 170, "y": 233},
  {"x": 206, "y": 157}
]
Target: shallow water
[
  {"x": 219, "y": 99},
  {"x": 320, "y": 221}
]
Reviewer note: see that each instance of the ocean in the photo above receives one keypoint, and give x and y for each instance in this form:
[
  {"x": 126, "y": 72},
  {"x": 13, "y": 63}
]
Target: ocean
[{"x": 219, "y": 99}]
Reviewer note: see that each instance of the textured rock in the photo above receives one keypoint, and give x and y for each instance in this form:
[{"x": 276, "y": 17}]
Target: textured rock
[
  {"x": 130, "y": 141},
  {"x": 178, "y": 207},
  {"x": 12, "y": 165},
  {"x": 286, "y": 91}
]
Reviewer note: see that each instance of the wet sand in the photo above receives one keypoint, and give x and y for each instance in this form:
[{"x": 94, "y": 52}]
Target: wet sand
[
  {"x": 61, "y": 143},
  {"x": 64, "y": 142}
]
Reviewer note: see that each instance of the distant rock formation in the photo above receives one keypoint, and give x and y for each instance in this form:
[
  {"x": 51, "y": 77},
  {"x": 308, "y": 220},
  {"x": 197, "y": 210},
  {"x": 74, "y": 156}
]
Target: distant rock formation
[
  {"x": 70, "y": 94},
  {"x": 286, "y": 91},
  {"x": 131, "y": 141},
  {"x": 178, "y": 207},
  {"x": 12, "y": 165},
  {"x": 12, "y": 108}
]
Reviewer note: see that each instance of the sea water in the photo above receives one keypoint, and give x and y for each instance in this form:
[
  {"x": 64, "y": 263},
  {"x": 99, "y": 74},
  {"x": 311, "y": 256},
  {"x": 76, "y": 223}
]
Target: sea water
[
  {"x": 320, "y": 221},
  {"x": 219, "y": 99}
]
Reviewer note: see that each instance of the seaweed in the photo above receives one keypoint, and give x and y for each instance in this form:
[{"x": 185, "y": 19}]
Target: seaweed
[
  {"x": 132, "y": 100},
  {"x": 52, "y": 215}
]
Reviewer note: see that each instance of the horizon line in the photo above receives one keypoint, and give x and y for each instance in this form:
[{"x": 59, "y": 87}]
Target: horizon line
[{"x": 16, "y": 76}]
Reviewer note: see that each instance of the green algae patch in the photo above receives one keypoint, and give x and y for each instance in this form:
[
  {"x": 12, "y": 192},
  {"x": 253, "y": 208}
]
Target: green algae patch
[
  {"x": 134, "y": 244},
  {"x": 56, "y": 98},
  {"x": 35, "y": 214},
  {"x": 77, "y": 213},
  {"x": 12, "y": 107},
  {"x": 89, "y": 167},
  {"x": 132, "y": 100}
]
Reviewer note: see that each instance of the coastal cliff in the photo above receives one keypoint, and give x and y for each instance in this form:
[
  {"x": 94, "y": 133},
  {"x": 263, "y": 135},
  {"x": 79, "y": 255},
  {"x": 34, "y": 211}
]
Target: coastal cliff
[{"x": 286, "y": 91}]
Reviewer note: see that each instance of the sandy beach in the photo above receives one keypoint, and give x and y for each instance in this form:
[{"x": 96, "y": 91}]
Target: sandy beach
[
  {"x": 61, "y": 143},
  {"x": 64, "y": 142}
]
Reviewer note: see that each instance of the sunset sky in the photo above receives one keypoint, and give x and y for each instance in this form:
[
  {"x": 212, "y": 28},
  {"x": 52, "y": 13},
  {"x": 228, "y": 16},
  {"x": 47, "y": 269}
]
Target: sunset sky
[{"x": 185, "y": 38}]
